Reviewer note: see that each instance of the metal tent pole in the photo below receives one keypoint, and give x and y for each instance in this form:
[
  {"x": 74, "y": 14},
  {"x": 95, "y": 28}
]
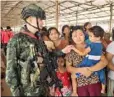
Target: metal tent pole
[
  {"x": 111, "y": 12},
  {"x": 57, "y": 13}
]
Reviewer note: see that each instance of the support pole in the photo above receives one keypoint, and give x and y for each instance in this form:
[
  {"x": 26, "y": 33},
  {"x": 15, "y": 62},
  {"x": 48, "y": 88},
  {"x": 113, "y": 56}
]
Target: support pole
[
  {"x": 57, "y": 13},
  {"x": 77, "y": 15},
  {"x": 110, "y": 23}
]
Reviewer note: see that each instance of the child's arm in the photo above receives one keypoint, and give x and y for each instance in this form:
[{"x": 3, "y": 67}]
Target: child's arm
[
  {"x": 85, "y": 52},
  {"x": 74, "y": 85}
]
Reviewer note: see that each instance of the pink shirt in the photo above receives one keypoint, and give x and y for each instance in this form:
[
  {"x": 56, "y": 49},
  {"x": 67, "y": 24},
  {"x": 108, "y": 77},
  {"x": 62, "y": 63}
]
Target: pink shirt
[{"x": 5, "y": 36}]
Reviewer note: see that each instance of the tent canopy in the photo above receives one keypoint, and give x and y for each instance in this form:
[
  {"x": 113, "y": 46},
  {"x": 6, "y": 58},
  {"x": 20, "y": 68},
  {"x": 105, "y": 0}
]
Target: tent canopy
[{"x": 70, "y": 11}]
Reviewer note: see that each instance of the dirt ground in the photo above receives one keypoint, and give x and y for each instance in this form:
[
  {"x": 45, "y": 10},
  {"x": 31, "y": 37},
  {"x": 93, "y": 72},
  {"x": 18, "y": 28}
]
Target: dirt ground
[{"x": 5, "y": 91}]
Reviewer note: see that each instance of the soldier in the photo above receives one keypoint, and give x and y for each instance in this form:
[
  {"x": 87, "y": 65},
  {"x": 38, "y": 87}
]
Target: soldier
[{"x": 22, "y": 72}]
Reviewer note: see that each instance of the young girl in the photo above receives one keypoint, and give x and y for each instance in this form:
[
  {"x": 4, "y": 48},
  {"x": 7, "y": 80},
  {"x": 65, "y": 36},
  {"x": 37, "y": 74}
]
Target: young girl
[{"x": 64, "y": 76}]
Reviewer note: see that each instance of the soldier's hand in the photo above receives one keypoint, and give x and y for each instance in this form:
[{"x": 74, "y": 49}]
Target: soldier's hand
[
  {"x": 67, "y": 49},
  {"x": 39, "y": 59}
]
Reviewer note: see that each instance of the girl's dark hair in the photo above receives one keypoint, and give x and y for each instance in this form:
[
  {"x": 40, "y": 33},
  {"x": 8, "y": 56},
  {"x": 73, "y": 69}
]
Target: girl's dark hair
[
  {"x": 87, "y": 23},
  {"x": 52, "y": 28},
  {"x": 74, "y": 29},
  {"x": 63, "y": 28},
  {"x": 44, "y": 32},
  {"x": 113, "y": 33},
  {"x": 63, "y": 56}
]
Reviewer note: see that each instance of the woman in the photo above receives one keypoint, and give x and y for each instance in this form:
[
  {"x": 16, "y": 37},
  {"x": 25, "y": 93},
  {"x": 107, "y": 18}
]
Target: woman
[
  {"x": 87, "y": 25},
  {"x": 110, "y": 57},
  {"x": 53, "y": 35},
  {"x": 106, "y": 41},
  {"x": 86, "y": 86},
  {"x": 66, "y": 32}
]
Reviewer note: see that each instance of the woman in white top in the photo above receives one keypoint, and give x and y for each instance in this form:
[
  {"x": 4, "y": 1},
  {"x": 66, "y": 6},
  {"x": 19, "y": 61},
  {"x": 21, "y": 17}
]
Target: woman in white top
[{"x": 110, "y": 57}]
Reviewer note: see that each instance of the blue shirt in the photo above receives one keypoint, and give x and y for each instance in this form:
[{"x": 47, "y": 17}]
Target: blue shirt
[{"x": 96, "y": 48}]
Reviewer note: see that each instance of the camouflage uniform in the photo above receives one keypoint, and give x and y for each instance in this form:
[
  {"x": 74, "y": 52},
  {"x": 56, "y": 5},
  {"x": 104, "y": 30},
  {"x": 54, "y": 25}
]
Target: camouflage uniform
[
  {"x": 19, "y": 69},
  {"x": 22, "y": 73}
]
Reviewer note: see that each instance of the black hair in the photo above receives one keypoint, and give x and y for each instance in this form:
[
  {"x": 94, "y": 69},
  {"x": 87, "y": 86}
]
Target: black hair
[
  {"x": 44, "y": 33},
  {"x": 63, "y": 28},
  {"x": 97, "y": 31},
  {"x": 44, "y": 29},
  {"x": 52, "y": 28},
  {"x": 71, "y": 27},
  {"x": 61, "y": 56},
  {"x": 1, "y": 28},
  {"x": 87, "y": 23},
  {"x": 8, "y": 27},
  {"x": 78, "y": 27}
]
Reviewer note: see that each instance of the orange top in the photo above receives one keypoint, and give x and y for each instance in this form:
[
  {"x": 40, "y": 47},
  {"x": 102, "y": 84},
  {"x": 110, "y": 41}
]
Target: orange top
[{"x": 62, "y": 44}]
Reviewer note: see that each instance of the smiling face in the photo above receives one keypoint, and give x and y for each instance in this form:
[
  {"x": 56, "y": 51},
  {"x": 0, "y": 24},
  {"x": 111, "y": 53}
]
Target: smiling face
[
  {"x": 78, "y": 36},
  {"x": 54, "y": 35}
]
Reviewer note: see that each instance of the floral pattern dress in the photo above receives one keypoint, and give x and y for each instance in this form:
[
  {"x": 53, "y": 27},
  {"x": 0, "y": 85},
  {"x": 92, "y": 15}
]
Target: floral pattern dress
[{"x": 67, "y": 89}]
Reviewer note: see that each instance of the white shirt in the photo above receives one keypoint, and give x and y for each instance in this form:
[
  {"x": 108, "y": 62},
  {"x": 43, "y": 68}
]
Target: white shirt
[{"x": 110, "y": 49}]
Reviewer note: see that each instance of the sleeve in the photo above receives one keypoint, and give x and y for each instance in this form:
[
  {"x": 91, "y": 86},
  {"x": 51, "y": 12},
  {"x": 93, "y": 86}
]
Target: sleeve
[
  {"x": 68, "y": 57},
  {"x": 11, "y": 68},
  {"x": 110, "y": 48},
  {"x": 58, "y": 53}
]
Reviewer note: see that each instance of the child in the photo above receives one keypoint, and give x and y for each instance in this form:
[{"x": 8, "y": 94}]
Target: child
[
  {"x": 64, "y": 76},
  {"x": 93, "y": 54}
]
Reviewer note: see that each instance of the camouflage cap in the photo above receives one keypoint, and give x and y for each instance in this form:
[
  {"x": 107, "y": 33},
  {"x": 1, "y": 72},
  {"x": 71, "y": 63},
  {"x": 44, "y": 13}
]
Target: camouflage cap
[{"x": 33, "y": 10}]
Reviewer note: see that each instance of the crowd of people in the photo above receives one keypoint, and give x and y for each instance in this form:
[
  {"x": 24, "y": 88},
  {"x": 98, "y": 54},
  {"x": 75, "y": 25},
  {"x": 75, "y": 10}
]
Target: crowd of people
[{"x": 84, "y": 58}]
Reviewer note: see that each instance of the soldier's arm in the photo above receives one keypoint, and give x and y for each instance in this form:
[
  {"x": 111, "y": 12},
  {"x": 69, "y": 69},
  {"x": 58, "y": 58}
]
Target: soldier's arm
[
  {"x": 58, "y": 53},
  {"x": 64, "y": 51},
  {"x": 11, "y": 68}
]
